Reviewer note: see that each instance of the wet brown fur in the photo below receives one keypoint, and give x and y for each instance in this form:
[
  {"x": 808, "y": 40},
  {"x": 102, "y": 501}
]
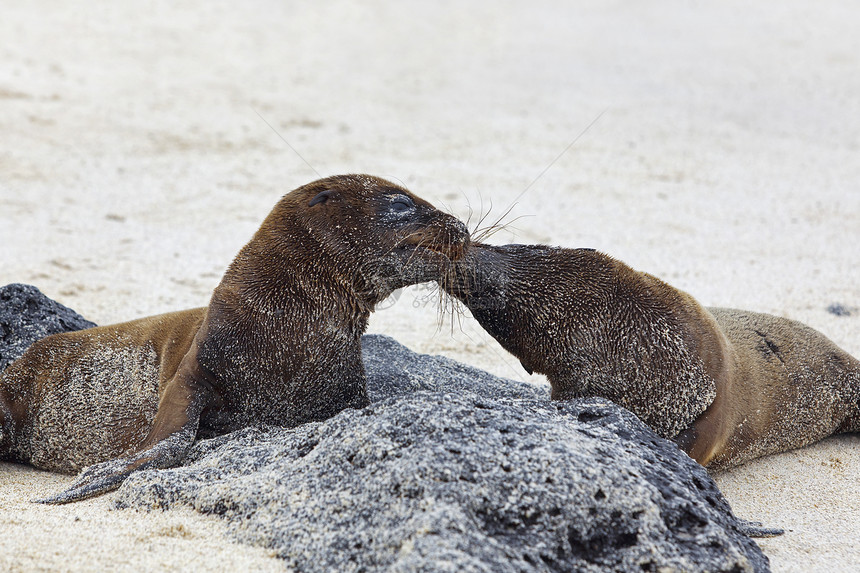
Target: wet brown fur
[
  {"x": 279, "y": 342},
  {"x": 90, "y": 395},
  {"x": 728, "y": 385}
]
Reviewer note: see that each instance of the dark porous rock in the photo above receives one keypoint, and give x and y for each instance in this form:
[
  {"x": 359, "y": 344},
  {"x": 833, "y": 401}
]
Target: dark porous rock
[
  {"x": 26, "y": 315},
  {"x": 436, "y": 481},
  {"x": 394, "y": 370}
]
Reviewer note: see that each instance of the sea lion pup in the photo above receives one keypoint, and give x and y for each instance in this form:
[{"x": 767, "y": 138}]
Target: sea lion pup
[
  {"x": 727, "y": 385},
  {"x": 279, "y": 343}
]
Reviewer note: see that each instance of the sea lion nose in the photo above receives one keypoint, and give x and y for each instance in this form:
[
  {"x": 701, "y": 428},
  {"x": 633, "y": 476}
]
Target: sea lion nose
[
  {"x": 458, "y": 231},
  {"x": 457, "y": 237}
]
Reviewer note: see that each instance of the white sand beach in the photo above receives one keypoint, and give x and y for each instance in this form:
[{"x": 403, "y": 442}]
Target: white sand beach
[{"x": 137, "y": 157}]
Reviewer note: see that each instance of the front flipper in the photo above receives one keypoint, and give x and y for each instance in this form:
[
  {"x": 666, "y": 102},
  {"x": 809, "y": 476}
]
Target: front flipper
[
  {"x": 106, "y": 476},
  {"x": 173, "y": 431}
]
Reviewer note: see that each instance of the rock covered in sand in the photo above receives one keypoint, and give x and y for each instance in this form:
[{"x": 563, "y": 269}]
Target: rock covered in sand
[{"x": 451, "y": 480}]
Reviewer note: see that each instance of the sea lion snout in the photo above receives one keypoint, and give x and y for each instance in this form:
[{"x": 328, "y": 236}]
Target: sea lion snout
[
  {"x": 351, "y": 212},
  {"x": 458, "y": 238},
  {"x": 426, "y": 243},
  {"x": 443, "y": 234}
]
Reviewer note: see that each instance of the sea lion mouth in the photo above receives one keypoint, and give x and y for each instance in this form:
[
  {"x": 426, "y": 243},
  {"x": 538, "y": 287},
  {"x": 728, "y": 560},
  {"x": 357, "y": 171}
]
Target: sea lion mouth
[
  {"x": 451, "y": 241},
  {"x": 453, "y": 252}
]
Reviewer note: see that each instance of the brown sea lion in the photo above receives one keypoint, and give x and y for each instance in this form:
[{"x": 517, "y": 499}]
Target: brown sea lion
[
  {"x": 727, "y": 385},
  {"x": 279, "y": 342}
]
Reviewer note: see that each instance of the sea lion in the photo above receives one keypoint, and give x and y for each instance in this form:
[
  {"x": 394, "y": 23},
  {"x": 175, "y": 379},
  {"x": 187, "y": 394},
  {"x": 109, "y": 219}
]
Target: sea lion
[
  {"x": 727, "y": 385},
  {"x": 278, "y": 344}
]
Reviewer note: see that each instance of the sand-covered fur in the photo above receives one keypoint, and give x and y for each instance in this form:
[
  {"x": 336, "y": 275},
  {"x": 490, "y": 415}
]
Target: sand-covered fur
[{"x": 728, "y": 385}]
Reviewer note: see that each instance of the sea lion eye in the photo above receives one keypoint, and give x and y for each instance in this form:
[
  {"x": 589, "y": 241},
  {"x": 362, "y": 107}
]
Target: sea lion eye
[{"x": 401, "y": 204}]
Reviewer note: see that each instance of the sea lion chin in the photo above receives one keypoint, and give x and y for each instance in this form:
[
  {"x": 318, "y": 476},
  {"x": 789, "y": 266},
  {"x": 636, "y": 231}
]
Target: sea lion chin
[
  {"x": 278, "y": 344},
  {"x": 727, "y": 385}
]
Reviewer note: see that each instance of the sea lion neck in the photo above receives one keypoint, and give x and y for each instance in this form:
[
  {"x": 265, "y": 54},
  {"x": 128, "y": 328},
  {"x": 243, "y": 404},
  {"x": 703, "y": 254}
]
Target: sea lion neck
[
  {"x": 289, "y": 285},
  {"x": 488, "y": 273}
]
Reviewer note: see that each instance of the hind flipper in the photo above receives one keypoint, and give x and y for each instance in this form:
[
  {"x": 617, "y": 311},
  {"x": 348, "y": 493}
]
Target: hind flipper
[{"x": 756, "y": 529}]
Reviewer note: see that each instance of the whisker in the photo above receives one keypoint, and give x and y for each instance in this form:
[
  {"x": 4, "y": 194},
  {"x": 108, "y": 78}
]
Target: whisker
[
  {"x": 486, "y": 214},
  {"x": 468, "y": 220},
  {"x": 480, "y": 235}
]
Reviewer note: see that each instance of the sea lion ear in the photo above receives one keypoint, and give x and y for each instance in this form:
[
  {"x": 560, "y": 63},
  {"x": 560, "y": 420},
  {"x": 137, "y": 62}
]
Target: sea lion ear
[{"x": 321, "y": 197}]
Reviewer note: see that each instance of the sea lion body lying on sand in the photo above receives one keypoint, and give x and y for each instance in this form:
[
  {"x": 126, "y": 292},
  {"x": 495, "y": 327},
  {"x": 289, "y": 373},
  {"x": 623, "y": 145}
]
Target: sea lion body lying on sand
[{"x": 727, "y": 385}]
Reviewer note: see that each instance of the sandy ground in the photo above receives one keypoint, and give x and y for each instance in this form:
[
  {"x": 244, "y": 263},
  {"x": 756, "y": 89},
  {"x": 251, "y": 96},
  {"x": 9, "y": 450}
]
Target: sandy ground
[{"x": 136, "y": 159}]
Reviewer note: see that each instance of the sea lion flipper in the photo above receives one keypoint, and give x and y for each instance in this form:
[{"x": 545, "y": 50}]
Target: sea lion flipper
[
  {"x": 106, "y": 476},
  {"x": 756, "y": 529},
  {"x": 173, "y": 432}
]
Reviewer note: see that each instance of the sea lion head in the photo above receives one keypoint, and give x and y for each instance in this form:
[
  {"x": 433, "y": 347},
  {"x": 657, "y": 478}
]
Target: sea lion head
[{"x": 373, "y": 234}]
